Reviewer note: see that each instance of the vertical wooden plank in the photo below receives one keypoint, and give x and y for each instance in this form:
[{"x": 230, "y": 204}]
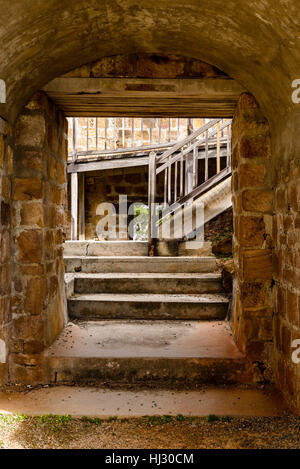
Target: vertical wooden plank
[
  {"x": 105, "y": 133},
  {"x": 74, "y": 205},
  {"x": 142, "y": 135},
  {"x": 123, "y": 132},
  {"x": 218, "y": 148},
  {"x": 206, "y": 155},
  {"x": 151, "y": 198},
  {"x": 132, "y": 132},
  {"x": 181, "y": 175},
  {"x": 81, "y": 205},
  {"x": 96, "y": 133},
  {"x": 165, "y": 186},
  {"x": 159, "y": 130},
  {"x": 115, "y": 133},
  {"x": 169, "y": 181},
  {"x": 150, "y": 130},
  {"x": 195, "y": 166},
  {"x": 228, "y": 158},
  {"x": 75, "y": 133},
  {"x": 87, "y": 134},
  {"x": 189, "y": 173},
  {"x": 175, "y": 180}
]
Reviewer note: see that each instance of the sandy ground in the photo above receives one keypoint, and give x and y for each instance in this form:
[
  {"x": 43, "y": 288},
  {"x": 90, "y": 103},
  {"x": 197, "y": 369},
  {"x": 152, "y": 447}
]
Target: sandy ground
[{"x": 55, "y": 432}]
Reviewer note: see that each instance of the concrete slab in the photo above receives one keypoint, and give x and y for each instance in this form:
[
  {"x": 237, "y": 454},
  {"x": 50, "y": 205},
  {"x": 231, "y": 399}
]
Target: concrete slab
[
  {"x": 147, "y": 306},
  {"x": 166, "y": 339},
  {"x": 93, "y": 264},
  {"x": 103, "y": 403},
  {"x": 106, "y": 248},
  {"x": 175, "y": 283}
]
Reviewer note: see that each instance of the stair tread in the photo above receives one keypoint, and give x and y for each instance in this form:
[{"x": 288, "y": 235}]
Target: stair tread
[
  {"x": 142, "y": 258},
  {"x": 146, "y": 339},
  {"x": 150, "y": 275},
  {"x": 151, "y": 297}
]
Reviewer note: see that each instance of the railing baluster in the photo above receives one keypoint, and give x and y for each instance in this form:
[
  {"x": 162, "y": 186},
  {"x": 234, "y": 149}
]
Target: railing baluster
[
  {"x": 87, "y": 134},
  {"x": 195, "y": 166},
  {"x": 105, "y": 133},
  {"x": 97, "y": 133},
  {"x": 150, "y": 131},
  {"x": 206, "y": 155},
  {"x": 115, "y": 132},
  {"x": 169, "y": 130},
  {"x": 159, "y": 130},
  {"x": 165, "y": 186},
  {"x": 218, "y": 149},
  {"x": 132, "y": 132},
  {"x": 181, "y": 174},
  {"x": 123, "y": 132},
  {"x": 169, "y": 182},
  {"x": 175, "y": 181},
  {"x": 228, "y": 158},
  {"x": 142, "y": 135}
]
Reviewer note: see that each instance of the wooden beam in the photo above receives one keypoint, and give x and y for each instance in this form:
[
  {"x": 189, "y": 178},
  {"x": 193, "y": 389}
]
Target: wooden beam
[{"x": 187, "y": 97}]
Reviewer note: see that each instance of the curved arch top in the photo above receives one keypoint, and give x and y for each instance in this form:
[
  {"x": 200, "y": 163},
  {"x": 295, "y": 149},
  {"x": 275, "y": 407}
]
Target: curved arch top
[{"x": 258, "y": 45}]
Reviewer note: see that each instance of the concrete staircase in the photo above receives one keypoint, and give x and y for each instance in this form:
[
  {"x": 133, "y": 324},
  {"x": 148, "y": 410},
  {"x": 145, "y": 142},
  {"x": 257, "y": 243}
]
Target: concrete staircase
[{"x": 143, "y": 321}]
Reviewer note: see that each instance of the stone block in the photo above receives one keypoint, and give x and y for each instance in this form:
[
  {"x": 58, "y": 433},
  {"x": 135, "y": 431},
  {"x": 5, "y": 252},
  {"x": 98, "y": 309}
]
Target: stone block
[
  {"x": 257, "y": 201},
  {"x": 257, "y": 146},
  {"x": 30, "y": 245},
  {"x": 28, "y": 188},
  {"x": 31, "y": 130},
  {"x": 257, "y": 264},
  {"x": 35, "y": 296},
  {"x": 252, "y": 231},
  {"x": 32, "y": 213}
]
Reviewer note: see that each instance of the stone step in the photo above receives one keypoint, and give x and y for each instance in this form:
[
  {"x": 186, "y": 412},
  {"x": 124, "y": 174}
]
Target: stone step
[
  {"x": 95, "y": 401},
  {"x": 155, "y": 353},
  {"x": 106, "y": 248},
  {"x": 147, "y": 306},
  {"x": 140, "y": 264},
  {"x": 147, "y": 283}
]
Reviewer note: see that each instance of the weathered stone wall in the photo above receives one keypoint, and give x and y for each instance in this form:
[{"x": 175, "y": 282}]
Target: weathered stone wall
[
  {"x": 286, "y": 264},
  {"x": 253, "y": 223},
  {"x": 38, "y": 222},
  {"x": 6, "y": 162}
]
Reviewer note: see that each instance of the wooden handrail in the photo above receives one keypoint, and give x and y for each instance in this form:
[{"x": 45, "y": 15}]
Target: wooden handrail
[
  {"x": 187, "y": 140},
  {"x": 188, "y": 149}
]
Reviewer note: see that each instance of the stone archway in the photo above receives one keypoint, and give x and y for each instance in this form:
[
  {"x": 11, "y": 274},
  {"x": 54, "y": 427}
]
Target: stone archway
[{"x": 241, "y": 48}]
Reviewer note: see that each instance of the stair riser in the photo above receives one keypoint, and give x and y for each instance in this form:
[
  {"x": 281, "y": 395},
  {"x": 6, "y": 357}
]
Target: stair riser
[
  {"x": 92, "y": 310},
  {"x": 157, "y": 372},
  {"x": 142, "y": 265},
  {"x": 105, "y": 248},
  {"x": 152, "y": 285}
]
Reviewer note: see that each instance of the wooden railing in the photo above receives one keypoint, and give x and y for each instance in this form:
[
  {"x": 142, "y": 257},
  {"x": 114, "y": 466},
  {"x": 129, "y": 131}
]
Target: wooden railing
[
  {"x": 105, "y": 136},
  {"x": 180, "y": 165}
]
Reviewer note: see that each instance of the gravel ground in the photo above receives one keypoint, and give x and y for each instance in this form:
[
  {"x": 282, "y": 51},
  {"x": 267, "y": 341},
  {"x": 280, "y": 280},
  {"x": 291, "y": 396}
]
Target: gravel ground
[{"x": 149, "y": 432}]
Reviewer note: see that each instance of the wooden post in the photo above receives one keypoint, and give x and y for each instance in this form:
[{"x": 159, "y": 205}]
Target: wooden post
[
  {"x": 151, "y": 197},
  {"x": 218, "y": 148},
  {"x": 74, "y": 205},
  {"x": 74, "y": 186},
  {"x": 81, "y": 208}
]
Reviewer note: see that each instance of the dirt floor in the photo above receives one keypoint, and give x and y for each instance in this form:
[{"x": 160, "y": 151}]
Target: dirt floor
[{"x": 165, "y": 432}]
